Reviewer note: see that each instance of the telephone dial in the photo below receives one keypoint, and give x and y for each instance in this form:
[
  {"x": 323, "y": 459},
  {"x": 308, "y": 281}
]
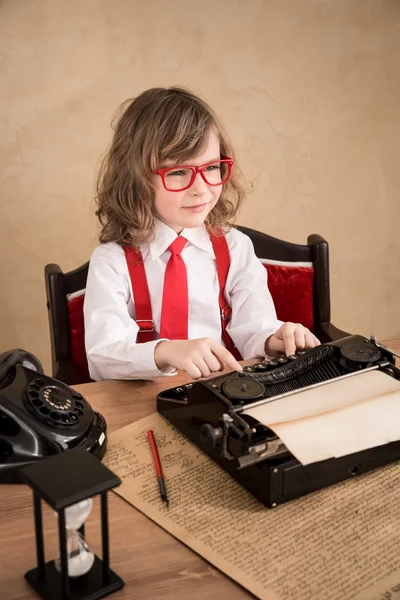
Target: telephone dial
[{"x": 40, "y": 416}]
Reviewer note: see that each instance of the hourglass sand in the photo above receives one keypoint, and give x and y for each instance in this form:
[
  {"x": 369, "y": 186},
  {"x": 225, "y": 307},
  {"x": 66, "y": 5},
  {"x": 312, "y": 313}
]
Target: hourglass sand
[{"x": 80, "y": 559}]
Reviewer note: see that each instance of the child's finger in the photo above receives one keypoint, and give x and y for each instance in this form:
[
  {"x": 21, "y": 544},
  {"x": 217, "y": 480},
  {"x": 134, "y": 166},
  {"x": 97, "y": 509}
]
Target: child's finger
[
  {"x": 289, "y": 342},
  {"x": 310, "y": 340},
  {"x": 226, "y": 357},
  {"x": 212, "y": 361},
  {"x": 203, "y": 367},
  {"x": 300, "y": 338},
  {"x": 191, "y": 369},
  {"x": 277, "y": 346}
]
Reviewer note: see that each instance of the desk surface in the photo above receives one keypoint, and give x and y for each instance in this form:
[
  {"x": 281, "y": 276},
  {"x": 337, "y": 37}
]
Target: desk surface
[{"x": 153, "y": 564}]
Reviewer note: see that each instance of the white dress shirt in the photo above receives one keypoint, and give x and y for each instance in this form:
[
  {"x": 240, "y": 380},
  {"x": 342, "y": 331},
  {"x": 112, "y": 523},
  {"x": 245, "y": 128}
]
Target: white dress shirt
[{"x": 109, "y": 310}]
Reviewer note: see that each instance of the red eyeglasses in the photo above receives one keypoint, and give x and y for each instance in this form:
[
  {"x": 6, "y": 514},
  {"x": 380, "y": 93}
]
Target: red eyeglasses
[{"x": 177, "y": 179}]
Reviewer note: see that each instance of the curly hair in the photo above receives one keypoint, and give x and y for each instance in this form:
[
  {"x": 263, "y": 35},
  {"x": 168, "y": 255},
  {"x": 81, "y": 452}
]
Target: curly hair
[{"x": 159, "y": 124}]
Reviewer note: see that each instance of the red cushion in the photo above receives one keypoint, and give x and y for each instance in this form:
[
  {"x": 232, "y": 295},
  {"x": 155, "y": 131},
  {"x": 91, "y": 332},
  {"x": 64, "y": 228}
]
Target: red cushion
[
  {"x": 292, "y": 292},
  {"x": 77, "y": 333}
]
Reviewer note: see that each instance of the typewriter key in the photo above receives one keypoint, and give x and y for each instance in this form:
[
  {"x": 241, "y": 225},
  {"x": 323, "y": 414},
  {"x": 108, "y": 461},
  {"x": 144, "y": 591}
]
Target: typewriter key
[
  {"x": 257, "y": 368},
  {"x": 243, "y": 388},
  {"x": 273, "y": 363}
]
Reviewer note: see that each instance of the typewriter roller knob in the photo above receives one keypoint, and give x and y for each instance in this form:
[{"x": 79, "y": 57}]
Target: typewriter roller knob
[
  {"x": 210, "y": 435},
  {"x": 243, "y": 388},
  {"x": 359, "y": 355}
]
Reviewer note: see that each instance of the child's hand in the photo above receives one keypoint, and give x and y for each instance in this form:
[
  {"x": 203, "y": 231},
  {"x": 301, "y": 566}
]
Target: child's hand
[
  {"x": 289, "y": 338},
  {"x": 199, "y": 358}
]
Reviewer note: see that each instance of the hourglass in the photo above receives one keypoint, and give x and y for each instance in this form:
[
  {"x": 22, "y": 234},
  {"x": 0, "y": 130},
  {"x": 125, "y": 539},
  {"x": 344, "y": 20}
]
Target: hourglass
[{"x": 67, "y": 482}]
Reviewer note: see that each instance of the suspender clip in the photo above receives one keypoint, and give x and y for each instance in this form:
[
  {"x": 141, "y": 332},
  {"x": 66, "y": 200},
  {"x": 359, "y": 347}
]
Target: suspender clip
[
  {"x": 149, "y": 326},
  {"x": 226, "y": 313}
]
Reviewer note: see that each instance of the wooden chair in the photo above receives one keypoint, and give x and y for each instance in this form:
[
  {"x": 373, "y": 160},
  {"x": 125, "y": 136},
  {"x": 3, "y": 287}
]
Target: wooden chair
[{"x": 298, "y": 278}]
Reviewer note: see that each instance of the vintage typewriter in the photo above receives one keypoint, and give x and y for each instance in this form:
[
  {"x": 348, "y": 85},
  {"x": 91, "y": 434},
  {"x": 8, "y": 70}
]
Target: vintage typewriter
[{"x": 210, "y": 414}]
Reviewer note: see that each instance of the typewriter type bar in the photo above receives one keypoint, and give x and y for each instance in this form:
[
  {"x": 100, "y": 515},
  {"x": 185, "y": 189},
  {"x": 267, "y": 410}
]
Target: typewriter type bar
[{"x": 209, "y": 413}]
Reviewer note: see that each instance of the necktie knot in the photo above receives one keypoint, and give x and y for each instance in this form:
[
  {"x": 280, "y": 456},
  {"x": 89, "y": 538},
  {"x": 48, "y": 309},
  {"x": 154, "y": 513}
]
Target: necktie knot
[{"x": 177, "y": 245}]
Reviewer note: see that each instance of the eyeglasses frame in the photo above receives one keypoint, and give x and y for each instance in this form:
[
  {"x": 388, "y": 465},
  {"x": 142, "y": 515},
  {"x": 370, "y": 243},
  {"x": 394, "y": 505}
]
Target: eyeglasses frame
[{"x": 224, "y": 159}]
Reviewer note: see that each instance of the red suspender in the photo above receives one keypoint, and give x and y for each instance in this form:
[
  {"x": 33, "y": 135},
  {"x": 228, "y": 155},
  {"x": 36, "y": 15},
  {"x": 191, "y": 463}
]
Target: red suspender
[
  {"x": 141, "y": 296},
  {"x": 223, "y": 259},
  {"x": 140, "y": 289}
]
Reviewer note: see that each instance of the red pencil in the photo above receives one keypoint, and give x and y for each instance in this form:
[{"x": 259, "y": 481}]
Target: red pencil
[{"x": 158, "y": 467}]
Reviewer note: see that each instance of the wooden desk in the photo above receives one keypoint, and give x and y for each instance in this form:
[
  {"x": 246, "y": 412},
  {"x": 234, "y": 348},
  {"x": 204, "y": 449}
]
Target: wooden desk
[{"x": 153, "y": 564}]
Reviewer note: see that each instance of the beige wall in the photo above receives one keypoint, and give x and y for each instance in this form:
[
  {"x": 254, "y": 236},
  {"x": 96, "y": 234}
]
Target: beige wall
[{"x": 309, "y": 90}]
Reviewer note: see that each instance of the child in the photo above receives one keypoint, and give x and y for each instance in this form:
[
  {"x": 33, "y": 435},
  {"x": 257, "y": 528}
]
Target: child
[{"x": 170, "y": 179}]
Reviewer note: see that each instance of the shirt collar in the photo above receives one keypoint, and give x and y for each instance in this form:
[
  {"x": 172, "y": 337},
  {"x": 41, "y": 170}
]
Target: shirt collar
[{"x": 164, "y": 236}]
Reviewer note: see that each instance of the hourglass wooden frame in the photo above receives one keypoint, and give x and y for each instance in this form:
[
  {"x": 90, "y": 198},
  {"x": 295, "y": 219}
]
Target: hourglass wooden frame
[{"x": 63, "y": 480}]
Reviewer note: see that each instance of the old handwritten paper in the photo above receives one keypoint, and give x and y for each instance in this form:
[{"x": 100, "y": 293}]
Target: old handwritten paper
[
  {"x": 341, "y": 543},
  {"x": 337, "y": 418}
]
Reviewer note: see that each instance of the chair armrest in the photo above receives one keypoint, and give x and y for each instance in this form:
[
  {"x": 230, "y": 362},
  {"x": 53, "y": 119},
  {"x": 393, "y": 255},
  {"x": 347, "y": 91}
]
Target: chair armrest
[{"x": 327, "y": 332}]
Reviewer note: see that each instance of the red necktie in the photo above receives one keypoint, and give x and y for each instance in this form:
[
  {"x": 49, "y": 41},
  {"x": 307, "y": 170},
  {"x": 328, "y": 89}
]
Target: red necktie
[{"x": 174, "y": 312}]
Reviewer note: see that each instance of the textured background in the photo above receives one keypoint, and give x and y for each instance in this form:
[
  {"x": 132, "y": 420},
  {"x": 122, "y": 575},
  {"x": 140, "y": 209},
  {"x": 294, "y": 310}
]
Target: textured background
[{"x": 308, "y": 89}]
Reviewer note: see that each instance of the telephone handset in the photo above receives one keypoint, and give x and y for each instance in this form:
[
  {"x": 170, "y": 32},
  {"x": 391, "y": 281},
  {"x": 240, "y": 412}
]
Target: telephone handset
[{"x": 40, "y": 416}]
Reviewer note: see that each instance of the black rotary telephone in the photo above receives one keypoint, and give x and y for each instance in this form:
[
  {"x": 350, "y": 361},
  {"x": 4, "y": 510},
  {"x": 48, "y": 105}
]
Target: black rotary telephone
[{"x": 40, "y": 416}]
